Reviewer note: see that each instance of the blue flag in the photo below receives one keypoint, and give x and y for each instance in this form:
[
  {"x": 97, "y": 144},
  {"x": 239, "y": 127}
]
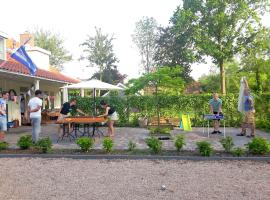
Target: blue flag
[{"x": 21, "y": 56}]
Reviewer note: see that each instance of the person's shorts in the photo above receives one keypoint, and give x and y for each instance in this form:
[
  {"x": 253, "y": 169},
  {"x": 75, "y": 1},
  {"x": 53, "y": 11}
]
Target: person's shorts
[
  {"x": 113, "y": 117},
  {"x": 3, "y": 124},
  {"x": 215, "y": 113},
  {"x": 249, "y": 117}
]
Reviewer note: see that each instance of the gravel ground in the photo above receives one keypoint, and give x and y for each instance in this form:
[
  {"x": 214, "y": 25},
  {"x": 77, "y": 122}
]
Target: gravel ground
[{"x": 37, "y": 178}]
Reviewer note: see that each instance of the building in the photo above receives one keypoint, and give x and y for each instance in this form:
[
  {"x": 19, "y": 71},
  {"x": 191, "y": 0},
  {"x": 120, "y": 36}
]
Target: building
[{"x": 15, "y": 77}]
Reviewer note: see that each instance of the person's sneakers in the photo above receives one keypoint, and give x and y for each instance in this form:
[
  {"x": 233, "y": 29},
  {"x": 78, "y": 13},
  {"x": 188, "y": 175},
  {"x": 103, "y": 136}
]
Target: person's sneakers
[
  {"x": 219, "y": 132},
  {"x": 214, "y": 132},
  {"x": 250, "y": 136},
  {"x": 241, "y": 134}
]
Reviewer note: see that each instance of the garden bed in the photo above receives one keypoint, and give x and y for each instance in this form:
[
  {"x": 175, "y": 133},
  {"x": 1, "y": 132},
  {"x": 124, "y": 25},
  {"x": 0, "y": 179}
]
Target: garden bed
[{"x": 136, "y": 152}]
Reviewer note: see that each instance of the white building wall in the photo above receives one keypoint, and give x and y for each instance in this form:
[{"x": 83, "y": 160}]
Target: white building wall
[{"x": 40, "y": 57}]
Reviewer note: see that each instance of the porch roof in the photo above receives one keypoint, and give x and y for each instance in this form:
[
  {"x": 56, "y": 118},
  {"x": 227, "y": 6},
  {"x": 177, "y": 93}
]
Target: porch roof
[{"x": 16, "y": 67}]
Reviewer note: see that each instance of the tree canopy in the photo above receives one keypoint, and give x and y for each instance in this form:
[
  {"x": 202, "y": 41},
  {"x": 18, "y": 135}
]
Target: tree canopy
[
  {"x": 221, "y": 29},
  {"x": 98, "y": 50},
  {"x": 144, "y": 37},
  {"x": 111, "y": 75},
  {"x": 166, "y": 80},
  {"x": 55, "y": 44}
]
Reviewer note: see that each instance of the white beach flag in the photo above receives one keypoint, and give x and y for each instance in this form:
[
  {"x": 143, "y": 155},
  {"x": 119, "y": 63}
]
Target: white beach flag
[{"x": 243, "y": 85}]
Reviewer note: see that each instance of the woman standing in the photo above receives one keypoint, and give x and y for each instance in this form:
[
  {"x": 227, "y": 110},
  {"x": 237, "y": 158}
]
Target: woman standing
[{"x": 112, "y": 116}]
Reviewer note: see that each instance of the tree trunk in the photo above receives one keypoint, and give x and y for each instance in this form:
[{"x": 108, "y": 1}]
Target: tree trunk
[
  {"x": 147, "y": 60},
  {"x": 100, "y": 78},
  {"x": 222, "y": 77},
  {"x": 158, "y": 109},
  {"x": 258, "y": 81}
]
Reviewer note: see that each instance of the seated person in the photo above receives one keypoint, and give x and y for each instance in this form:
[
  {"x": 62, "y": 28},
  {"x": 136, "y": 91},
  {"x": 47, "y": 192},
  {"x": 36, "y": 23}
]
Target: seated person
[
  {"x": 112, "y": 116},
  {"x": 67, "y": 108},
  {"x": 249, "y": 114},
  {"x": 215, "y": 108}
]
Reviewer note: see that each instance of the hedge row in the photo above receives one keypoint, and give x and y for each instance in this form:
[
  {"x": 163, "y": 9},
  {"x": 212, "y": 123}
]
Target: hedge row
[{"x": 132, "y": 107}]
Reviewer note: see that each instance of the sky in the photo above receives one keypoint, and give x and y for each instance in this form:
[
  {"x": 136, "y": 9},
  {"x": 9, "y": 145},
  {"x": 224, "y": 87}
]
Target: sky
[{"x": 74, "y": 20}]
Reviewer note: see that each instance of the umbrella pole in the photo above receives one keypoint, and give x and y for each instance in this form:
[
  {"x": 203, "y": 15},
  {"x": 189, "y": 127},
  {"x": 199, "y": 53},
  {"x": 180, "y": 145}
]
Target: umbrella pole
[
  {"x": 95, "y": 112},
  {"x": 95, "y": 109}
]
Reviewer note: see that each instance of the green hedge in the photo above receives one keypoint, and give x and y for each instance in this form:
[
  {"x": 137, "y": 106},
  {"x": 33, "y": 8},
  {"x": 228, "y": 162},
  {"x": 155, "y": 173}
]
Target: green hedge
[{"x": 132, "y": 107}]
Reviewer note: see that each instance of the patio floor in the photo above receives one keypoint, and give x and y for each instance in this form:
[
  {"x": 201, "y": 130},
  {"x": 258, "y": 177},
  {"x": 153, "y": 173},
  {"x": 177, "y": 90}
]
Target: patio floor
[{"x": 124, "y": 134}]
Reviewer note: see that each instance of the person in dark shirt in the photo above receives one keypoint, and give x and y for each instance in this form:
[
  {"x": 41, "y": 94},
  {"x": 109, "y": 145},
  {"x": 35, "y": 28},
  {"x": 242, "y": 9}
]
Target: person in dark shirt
[
  {"x": 112, "y": 116},
  {"x": 67, "y": 108}
]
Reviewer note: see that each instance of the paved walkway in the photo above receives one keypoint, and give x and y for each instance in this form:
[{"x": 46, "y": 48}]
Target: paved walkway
[{"x": 137, "y": 135}]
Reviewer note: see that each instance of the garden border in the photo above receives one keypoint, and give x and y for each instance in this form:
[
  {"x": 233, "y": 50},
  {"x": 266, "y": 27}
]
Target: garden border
[{"x": 135, "y": 157}]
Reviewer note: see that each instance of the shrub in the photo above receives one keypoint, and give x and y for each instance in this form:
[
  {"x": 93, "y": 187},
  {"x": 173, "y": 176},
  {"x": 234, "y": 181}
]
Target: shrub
[
  {"x": 227, "y": 143},
  {"x": 205, "y": 148},
  {"x": 3, "y": 145},
  {"x": 172, "y": 105},
  {"x": 85, "y": 143},
  {"x": 163, "y": 131},
  {"x": 154, "y": 144},
  {"x": 108, "y": 144},
  {"x": 44, "y": 144},
  {"x": 131, "y": 146},
  {"x": 179, "y": 142},
  {"x": 238, "y": 151},
  {"x": 258, "y": 145},
  {"x": 25, "y": 142}
]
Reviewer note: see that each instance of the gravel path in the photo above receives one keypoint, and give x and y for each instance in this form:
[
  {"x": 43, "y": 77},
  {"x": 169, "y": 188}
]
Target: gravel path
[{"x": 37, "y": 178}]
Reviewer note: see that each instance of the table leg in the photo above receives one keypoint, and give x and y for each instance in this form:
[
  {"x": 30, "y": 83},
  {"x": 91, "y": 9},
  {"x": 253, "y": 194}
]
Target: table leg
[
  {"x": 208, "y": 129},
  {"x": 65, "y": 132},
  {"x": 94, "y": 129}
]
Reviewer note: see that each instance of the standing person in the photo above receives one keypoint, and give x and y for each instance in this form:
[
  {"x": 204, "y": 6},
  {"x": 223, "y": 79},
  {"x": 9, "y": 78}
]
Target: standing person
[
  {"x": 34, "y": 108},
  {"x": 3, "y": 114},
  {"x": 216, "y": 108},
  {"x": 112, "y": 117},
  {"x": 67, "y": 108},
  {"x": 249, "y": 114},
  {"x": 22, "y": 106}
]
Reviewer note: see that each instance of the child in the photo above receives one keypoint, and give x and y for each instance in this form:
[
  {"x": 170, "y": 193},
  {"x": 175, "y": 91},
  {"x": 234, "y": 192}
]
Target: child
[
  {"x": 112, "y": 117},
  {"x": 215, "y": 107}
]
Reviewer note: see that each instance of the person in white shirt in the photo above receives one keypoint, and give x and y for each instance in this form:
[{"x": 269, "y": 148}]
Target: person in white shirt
[
  {"x": 34, "y": 108},
  {"x": 3, "y": 114}
]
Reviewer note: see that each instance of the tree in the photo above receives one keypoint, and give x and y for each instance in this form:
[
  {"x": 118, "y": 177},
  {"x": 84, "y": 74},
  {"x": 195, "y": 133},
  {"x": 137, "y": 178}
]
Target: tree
[
  {"x": 98, "y": 51},
  {"x": 210, "y": 82},
  {"x": 175, "y": 43},
  {"x": 144, "y": 37},
  {"x": 164, "y": 81},
  {"x": 256, "y": 58},
  {"x": 55, "y": 44},
  {"x": 111, "y": 75},
  {"x": 224, "y": 28}
]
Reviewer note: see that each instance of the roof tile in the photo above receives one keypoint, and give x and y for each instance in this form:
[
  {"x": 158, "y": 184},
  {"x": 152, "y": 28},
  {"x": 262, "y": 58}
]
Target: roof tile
[{"x": 14, "y": 66}]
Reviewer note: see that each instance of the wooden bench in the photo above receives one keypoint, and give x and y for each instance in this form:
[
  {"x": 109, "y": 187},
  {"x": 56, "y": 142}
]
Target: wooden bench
[
  {"x": 163, "y": 122},
  {"x": 174, "y": 121}
]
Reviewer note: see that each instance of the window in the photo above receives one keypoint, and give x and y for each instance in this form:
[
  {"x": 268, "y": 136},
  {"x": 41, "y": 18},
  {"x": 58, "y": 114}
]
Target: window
[{"x": 2, "y": 48}]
